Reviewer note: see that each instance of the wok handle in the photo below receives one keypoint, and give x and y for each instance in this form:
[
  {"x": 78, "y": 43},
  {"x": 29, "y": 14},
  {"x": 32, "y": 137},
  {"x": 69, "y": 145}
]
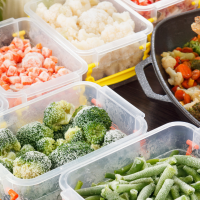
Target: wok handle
[{"x": 145, "y": 84}]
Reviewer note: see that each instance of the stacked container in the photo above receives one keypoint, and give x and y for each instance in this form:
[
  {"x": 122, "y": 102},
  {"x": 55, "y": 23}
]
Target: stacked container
[
  {"x": 128, "y": 119},
  {"x": 112, "y": 57}
]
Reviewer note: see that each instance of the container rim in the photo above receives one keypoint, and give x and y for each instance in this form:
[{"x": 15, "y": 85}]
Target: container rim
[
  {"x": 158, "y": 73},
  {"x": 65, "y": 174},
  {"x": 14, "y": 180}
]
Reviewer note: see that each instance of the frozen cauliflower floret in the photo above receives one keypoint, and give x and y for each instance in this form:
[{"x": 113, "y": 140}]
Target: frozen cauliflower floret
[
  {"x": 194, "y": 92},
  {"x": 97, "y": 73},
  {"x": 78, "y": 6},
  {"x": 94, "y": 20},
  {"x": 112, "y": 69},
  {"x": 190, "y": 105},
  {"x": 121, "y": 17},
  {"x": 107, "y": 7},
  {"x": 116, "y": 31},
  {"x": 165, "y": 54},
  {"x": 168, "y": 61},
  {"x": 82, "y": 35},
  {"x": 94, "y": 2},
  {"x": 66, "y": 22},
  {"x": 175, "y": 78},
  {"x": 41, "y": 9},
  {"x": 69, "y": 33},
  {"x": 90, "y": 43}
]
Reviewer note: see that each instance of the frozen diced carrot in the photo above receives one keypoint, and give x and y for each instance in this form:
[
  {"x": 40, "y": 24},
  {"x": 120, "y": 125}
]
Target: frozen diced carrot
[
  {"x": 39, "y": 46},
  {"x": 5, "y": 78},
  {"x": 34, "y": 49},
  {"x": 5, "y": 48},
  {"x": 32, "y": 60},
  {"x": 3, "y": 68},
  {"x": 18, "y": 43},
  {"x": 30, "y": 69},
  {"x": 36, "y": 71},
  {"x": 46, "y": 52},
  {"x": 8, "y": 63},
  {"x": 26, "y": 80},
  {"x": 19, "y": 65},
  {"x": 32, "y": 75},
  {"x": 18, "y": 85},
  {"x": 63, "y": 71},
  {"x": 49, "y": 64},
  {"x": 11, "y": 71},
  {"x": 21, "y": 70},
  {"x": 5, "y": 87},
  {"x": 54, "y": 59},
  {"x": 26, "y": 41},
  {"x": 27, "y": 50},
  {"x": 43, "y": 70},
  {"x": 14, "y": 79},
  {"x": 37, "y": 80},
  {"x": 12, "y": 46},
  {"x": 8, "y": 56},
  {"x": 22, "y": 74},
  {"x": 57, "y": 68},
  {"x": 44, "y": 76}
]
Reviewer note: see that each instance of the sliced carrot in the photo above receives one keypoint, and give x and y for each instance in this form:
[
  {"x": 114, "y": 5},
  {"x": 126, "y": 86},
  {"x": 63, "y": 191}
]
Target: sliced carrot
[
  {"x": 196, "y": 54},
  {"x": 178, "y": 62},
  {"x": 179, "y": 94},
  {"x": 194, "y": 39},
  {"x": 187, "y": 50},
  {"x": 185, "y": 84},
  {"x": 187, "y": 98},
  {"x": 13, "y": 194},
  {"x": 175, "y": 88},
  {"x": 197, "y": 58},
  {"x": 185, "y": 71},
  {"x": 179, "y": 49},
  {"x": 195, "y": 74}
]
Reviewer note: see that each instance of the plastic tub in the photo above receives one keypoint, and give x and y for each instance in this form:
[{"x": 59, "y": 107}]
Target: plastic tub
[
  {"x": 128, "y": 118},
  {"x": 112, "y": 57},
  {"x": 163, "y": 8},
  {"x": 159, "y": 142},
  {"x": 37, "y": 35}
]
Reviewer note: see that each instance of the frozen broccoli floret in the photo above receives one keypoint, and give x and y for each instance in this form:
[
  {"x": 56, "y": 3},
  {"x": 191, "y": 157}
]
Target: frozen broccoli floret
[
  {"x": 95, "y": 146},
  {"x": 58, "y": 114},
  {"x": 31, "y": 165},
  {"x": 11, "y": 155},
  {"x": 77, "y": 110},
  {"x": 24, "y": 149},
  {"x": 32, "y": 132},
  {"x": 59, "y": 142},
  {"x": 94, "y": 132},
  {"x": 45, "y": 145},
  {"x": 7, "y": 163},
  {"x": 68, "y": 152},
  {"x": 74, "y": 135},
  {"x": 113, "y": 136},
  {"x": 8, "y": 141},
  {"x": 92, "y": 113},
  {"x": 195, "y": 64},
  {"x": 195, "y": 45},
  {"x": 195, "y": 111}
]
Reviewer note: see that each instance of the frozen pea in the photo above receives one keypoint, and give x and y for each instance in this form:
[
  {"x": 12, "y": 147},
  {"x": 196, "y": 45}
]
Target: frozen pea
[
  {"x": 164, "y": 191},
  {"x": 175, "y": 191},
  {"x": 146, "y": 191},
  {"x": 192, "y": 172},
  {"x": 188, "y": 160}
]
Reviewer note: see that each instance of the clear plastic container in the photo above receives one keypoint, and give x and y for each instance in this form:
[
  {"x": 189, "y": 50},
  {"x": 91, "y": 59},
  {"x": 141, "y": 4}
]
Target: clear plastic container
[
  {"x": 128, "y": 119},
  {"x": 159, "y": 142},
  {"x": 163, "y": 8},
  {"x": 112, "y": 57},
  {"x": 36, "y": 35}
]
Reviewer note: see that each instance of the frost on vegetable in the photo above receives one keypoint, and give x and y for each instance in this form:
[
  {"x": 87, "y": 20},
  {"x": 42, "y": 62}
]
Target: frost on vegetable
[
  {"x": 8, "y": 141},
  {"x": 74, "y": 134},
  {"x": 7, "y": 163},
  {"x": 58, "y": 114},
  {"x": 69, "y": 152},
  {"x": 45, "y": 145},
  {"x": 32, "y": 132},
  {"x": 26, "y": 148},
  {"x": 31, "y": 165}
]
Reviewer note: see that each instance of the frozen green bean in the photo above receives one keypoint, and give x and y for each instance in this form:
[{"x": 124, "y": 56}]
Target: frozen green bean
[
  {"x": 125, "y": 196},
  {"x": 196, "y": 185},
  {"x": 145, "y": 165},
  {"x": 148, "y": 172},
  {"x": 188, "y": 160},
  {"x": 107, "y": 193},
  {"x": 192, "y": 172},
  {"x": 142, "y": 180},
  {"x": 197, "y": 193},
  {"x": 164, "y": 191},
  {"x": 110, "y": 175},
  {"x": 133, "y": 194},
  {"x": 101, "y": 198},
  {"x": 120, "y": 188},
  {"x": 170, "y": 160},
  {"x": 181, "y": 172},
  {"x": 156, "y": 180},
  {"x": 93, "y": 198},
  {"x": 183, "y": 197},
  {"x": 187, "y": 179},
  {"x": 146, "y": 191},
  {"x": 175, "y": 152},
  {"x": 168, "y": 173},
  {"x": 184, "y": 187},
  {"x": 137, "y": 165},
  {"x": 96, "y": 190},
  {"x": 169, "y": 197},
  {"x": 175, "y": 191},
  {"x": 78, "y": 185},
  {"x": 93, "y": 184},
  {"x": 198, "y": 171},
  {"x": 193, "y": 197},
  {"x": 123, "y": 169},
  {"x": 153, "y": 161}
]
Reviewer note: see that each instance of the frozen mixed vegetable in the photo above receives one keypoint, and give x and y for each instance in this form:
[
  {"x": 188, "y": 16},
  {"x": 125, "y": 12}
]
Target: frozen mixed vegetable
[
  {"x": 22, "y": 65},
  {"x": 65, "y": 135},
  {"x": 183, "y": 67},
  {"x": 160, "y": 180}
]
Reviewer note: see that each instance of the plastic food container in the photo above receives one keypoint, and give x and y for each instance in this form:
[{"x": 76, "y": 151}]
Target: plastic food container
[
  {"x": 163, "y": 8},
  {"x": 157, "y": 143},
  {"x": 125, "y": 116},
  {"x": 113, "y": 57},
  {"x": 36, "y": 35}
]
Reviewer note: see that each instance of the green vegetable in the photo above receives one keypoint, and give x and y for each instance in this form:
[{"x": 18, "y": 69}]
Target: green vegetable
[
  {"x": 196, "y": 185},
  {"x": 11, "y": 155},
  {"x": 146, "y": 192},
  {"x": 195, "y": 45},
  {"x": 78, "y": 185},
  {"x": 183, "y": 197},
  {"x": 133, "y": 194},
  {"x": 93, "y": 198},
  {"x": 125, "y": 196},
  {"x": 24, "y": 149},
  {"x": 7, "y": 163},
  {"x": 193, "y": 197},
  {"x": 127, "y": 187},
  {"x": 142, "y": 180},
  {"x": 188, "y": 160},
  {"x": 195, "y": 64},
  {"x": 187, "y": 179},
  {"x": 31, "y": 165},
  {"x": 60, "y": 134},
  {"x": 57, "y": 114},
  {"x": 110, "y": 175},
  {"x": 175, "y": 152},
  {"x": 8, "y": 141},
  {"x": 32, "y": 132},
  {"x": 96, "y": 190},
  {"x": 123, "y": 169},
  {"x": 152, "y": 161},
  {"x": 74, "y": 134},
  {"x": 137, "y": 165},
  {"x": 107, "y": 193},
  {"x": 192, "y": 172},
  {"x": 175, "y": 191},
  {"x": 2, "y": 5},
  {"x": 195, "y": 111},
  {"x": 45, "y": 145},
  {"x": 77, "y": 110}
]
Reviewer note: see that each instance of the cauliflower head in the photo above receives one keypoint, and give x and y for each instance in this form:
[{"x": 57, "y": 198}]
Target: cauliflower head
[
  {"x": 122, "y": 17},
  {"x": 168, "y": 61},
  {"x": 112, "y": 136},
  {"x": 31, "y": 164},
  {"x": 69, "y": 33},
  {"x": 82, "y": 35},
  {"x": 67, "y": 22},
  {"x": 94, "y": 21},
  {"x": 41, "y": 10},
  {"x": 175, "y": 78},
  {"x": 94, "y": 2},
  {"x": 107, "y": 7}
]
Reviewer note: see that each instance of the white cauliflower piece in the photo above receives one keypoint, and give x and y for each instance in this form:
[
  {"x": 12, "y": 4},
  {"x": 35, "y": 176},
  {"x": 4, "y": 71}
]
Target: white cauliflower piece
[
  {"x": 41, "y": 9},
  {"x": 175, "y": 78},
  {"x": 112, "y": 69},
  {"x": 97, "y": 73},
  {"x": 190, "y": 105},
  {"x": 90, "y": 43},
  {"x": 193, "y": 91},
  {"x": 121, "y": 17},
  {"x": 94, "y": 21},
  {"x": 168, "y": 61},
  {"x": 116, "y": 31},
  {"x": 78, "y": 6},
  {"x": 66, "y": 22},
  {"x": 82, "y": 35},
  {"x": 69, "y": 33},
  {"x": 94, "y": 2},
  {"x": 107, "y": 7},
  {"x": 165, "y": 54}
]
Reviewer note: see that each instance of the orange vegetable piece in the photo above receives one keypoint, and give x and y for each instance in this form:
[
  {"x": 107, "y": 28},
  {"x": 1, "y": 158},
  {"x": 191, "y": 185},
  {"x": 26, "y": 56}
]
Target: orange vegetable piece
[
  {"x": 6, "y": 48},
  {"x": 185, "y": 71},
  {"x": 44, "y": 76},
  {"x": 54, "y": 59},
  {"x": 196, "y": 54},
  {"x": 49, "y": 64},
  {"x": 34, "y": 49},
  {"x": 57, "y": 68},
  {"x": 8, "y": 63},
  {"x": 187, "y": 98},
  {"x": 179, "y": 48},
  {"x": 18, "y": 85},
  {"x": 18, "y": 43},
  {"x": 189, "y": 151},
  {"x": 187, "y": 50},
  {"x": 5, "y": 78},
  {"x": 13, "y": 194},
  {"x": 197, "y": 58},
  {"x": 190, "y": 143},
  {"x": 5, "y": 87},
  {"x": 195, "y": 74},
  {"x": 175, "y": 88},
  {"x": 46, "y": 52},
  {"x": 26, "y": 80},
  {"x": 187, "y": 63},
  {"x": 14, "y": 79},
  {"x": 179, "y": 94},
  {"x": 63, "y": 72},
  {"x": 11, "y": 71},
  {"x": 39, "y": 46},
  {"x": 185, "y": 84}
]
